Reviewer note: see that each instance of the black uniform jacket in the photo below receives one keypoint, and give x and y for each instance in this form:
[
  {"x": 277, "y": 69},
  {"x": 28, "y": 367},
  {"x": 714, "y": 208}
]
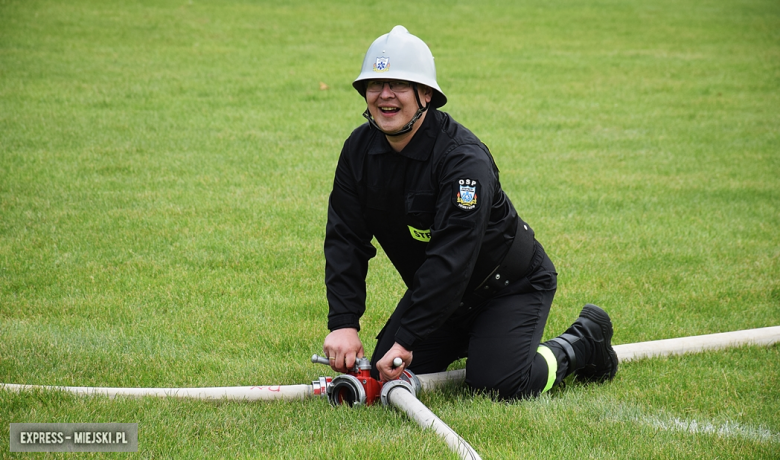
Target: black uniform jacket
[{"x": 436, "y": 208}]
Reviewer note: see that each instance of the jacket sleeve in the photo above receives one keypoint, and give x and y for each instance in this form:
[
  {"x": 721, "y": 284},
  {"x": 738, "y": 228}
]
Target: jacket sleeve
[
  {"x": 457, "y": 234},
  {"x": 348, "y": 249}
]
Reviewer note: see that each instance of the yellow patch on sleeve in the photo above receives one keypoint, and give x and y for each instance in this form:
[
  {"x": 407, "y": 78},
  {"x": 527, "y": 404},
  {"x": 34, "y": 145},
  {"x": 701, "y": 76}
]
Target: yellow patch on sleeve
[{"x": 420, "y": 235}]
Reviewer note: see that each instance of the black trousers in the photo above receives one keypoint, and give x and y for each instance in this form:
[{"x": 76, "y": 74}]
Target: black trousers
[{"x": 499, "y": 335}]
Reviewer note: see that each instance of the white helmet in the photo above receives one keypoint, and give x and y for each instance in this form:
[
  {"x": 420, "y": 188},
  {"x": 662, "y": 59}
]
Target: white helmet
[{"x": 399, "y": 55}]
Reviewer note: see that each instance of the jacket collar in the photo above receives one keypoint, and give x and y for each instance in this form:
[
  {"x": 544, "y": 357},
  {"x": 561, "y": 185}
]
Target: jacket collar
[{"x": 419, "y": 148}]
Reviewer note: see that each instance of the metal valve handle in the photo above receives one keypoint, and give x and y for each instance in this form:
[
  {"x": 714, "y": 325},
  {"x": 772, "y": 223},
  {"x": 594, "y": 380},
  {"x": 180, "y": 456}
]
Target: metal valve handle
[{"x": 317, "y": 359}]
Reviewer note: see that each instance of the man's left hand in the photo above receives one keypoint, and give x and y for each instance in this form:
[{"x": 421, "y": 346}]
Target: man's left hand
[{"x": 385, "y": 365}]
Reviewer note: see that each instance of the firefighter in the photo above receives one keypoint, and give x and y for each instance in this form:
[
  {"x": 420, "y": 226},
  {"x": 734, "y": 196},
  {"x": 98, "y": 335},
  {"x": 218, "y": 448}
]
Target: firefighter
[{"x": 478, "y": 283}]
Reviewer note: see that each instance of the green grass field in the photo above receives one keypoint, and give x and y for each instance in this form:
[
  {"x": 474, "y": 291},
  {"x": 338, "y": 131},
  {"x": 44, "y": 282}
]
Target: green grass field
[{"x": 164, "y": 174}]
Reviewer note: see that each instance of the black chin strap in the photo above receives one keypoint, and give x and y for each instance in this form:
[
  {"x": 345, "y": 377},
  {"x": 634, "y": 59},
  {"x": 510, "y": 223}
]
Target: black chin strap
[{"x": 407, "y": 127}]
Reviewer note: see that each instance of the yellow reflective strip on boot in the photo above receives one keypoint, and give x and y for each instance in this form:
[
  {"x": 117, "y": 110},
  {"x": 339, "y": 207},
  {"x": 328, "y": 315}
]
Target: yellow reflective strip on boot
[{"x": 552, "y": 366}]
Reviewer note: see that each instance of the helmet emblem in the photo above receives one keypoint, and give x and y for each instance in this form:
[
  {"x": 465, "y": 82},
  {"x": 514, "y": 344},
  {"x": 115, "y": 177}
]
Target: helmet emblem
[{"x": 382, "y": 64}]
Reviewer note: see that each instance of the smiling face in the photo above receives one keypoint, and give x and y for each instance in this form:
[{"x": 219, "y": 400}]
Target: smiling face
[{"x": 392, "y": 104}]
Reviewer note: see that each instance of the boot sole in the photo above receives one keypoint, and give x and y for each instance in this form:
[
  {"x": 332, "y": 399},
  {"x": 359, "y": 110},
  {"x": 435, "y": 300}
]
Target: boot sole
[{"x": 600, "y": 317}]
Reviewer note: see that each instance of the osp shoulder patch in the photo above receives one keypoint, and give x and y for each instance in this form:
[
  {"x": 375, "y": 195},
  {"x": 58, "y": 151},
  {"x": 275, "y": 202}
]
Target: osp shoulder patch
[{"x": 466, "y": 192}]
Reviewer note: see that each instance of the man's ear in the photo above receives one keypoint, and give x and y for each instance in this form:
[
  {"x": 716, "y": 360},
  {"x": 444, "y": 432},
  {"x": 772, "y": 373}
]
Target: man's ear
[{"x": 427, "y": 93}]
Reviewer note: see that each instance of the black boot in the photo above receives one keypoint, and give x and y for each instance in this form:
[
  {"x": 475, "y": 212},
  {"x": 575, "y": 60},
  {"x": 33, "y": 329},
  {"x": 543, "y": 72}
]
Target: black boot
[{"x": 585, "y": 349}]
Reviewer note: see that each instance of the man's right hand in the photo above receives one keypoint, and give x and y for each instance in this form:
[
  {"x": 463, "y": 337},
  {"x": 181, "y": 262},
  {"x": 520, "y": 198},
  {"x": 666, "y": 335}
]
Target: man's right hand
[{"x": 342, "y": 347}]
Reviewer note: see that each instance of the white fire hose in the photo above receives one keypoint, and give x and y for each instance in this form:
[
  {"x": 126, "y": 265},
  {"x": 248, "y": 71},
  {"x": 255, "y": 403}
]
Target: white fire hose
[
  {"x": 406, "y": 400},
  {"x": 400, "y": 395},
  {"x": 698, "y": 343}
]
